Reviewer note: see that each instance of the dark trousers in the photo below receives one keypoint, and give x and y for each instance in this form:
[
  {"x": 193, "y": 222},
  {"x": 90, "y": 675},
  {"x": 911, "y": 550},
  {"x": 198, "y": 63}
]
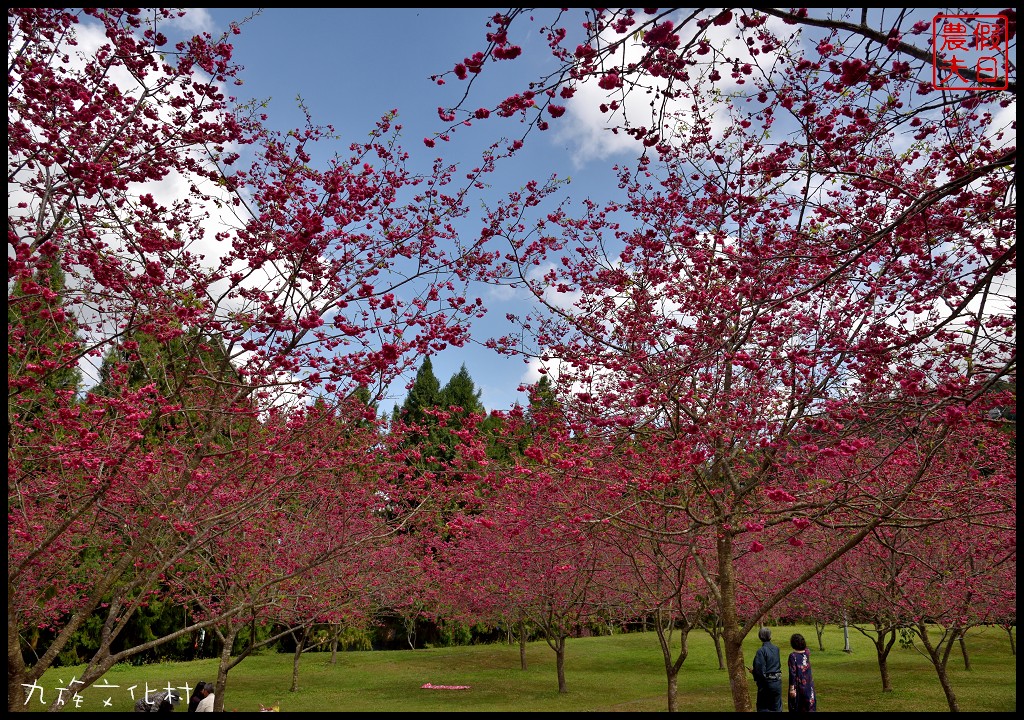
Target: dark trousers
[{"x": 769, "y": 697}]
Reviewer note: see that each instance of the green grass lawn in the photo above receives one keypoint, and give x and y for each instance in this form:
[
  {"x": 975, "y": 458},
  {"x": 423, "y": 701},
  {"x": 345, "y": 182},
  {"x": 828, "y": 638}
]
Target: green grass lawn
[{"x": 617, "y": 673}]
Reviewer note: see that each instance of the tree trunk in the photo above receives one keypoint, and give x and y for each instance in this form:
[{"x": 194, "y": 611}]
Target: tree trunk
[
  {"x": 560, "y": 663},
  {"x": 732, "y": 633},
  {"x": 715, "y": 631},
  {"x": 410, "y": 632},
  {"x": 222, "y": 668},
  {"x": 882, "y": 649},
  {"x": 335, "y": 631},
  {"x": 16, "y": 671},
  {"x": 673, "y": 688},
  {"x": 883, "y": 668},
  {"x": 939, "y": 663},
  {"x": 819, "y": 629},
  {"x": 1009, "y": 631},
  {"x": 672, "y": 665},
  {"x": 16, "y": 700},
  {"x": 947, "y": 688},
  {"x": 522, "y": 644},
  {"x": 963, "y": 651},
  {"x": 295, "y": 659}
]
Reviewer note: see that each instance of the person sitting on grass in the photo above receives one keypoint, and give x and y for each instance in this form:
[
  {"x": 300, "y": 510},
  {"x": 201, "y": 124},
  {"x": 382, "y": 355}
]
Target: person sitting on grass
[
  {"x": 197, "y": 695},
  {"x": 206, "y": 704}
]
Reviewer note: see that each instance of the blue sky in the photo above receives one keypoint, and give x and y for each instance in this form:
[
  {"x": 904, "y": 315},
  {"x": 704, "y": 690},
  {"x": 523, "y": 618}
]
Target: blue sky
[{"x": 350, "y": 66}]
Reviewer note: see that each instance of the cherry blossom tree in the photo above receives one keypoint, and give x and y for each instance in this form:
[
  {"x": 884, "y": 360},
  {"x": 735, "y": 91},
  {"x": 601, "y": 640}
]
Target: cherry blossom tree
[
  {"x": 863, "y": 582},
  {"x": 798, "y": 304},
  {"x": 526, "y": 551},
  {"x": 934, "y": 571},
  {"x": 303, "y": 557},
  {"x": 952, "y": 589},
  {"x": 1005, "y": 589},
  {"x": 180, "y": 231},
  {"x": 660, "y": 571},
  {"x": 805, "y": 284},
  {"x": 477, "y": 555}
]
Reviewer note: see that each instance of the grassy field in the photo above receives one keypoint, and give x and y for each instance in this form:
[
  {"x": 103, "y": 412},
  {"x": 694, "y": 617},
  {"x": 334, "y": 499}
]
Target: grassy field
[{"x": 623, "y": 673}]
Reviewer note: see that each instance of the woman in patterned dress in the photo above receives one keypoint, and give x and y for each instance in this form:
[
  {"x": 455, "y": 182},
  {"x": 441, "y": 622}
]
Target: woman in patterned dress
[{"x": 801, "y": 684}]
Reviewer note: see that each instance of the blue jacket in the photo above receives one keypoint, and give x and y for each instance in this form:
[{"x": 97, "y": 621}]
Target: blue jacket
[{"x": 767, "y": 665}]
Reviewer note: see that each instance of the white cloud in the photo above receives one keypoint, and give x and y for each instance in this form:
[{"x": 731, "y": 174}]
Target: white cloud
[
  {"x": 588, "y": 130},
  {"x": 196, "y": 20},
  {"x": 551, "y": 294},
  {"x": 502, "y": 293},
  {"x": 1005, "y": 123},
  {"x": 532, "y": 374}
]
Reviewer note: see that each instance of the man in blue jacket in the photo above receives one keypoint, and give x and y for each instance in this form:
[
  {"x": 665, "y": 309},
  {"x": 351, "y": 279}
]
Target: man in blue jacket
[{"x": 767, "y": 673}]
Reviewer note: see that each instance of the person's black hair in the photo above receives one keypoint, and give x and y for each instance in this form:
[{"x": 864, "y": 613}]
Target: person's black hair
[{"x": 798, "y": 642}]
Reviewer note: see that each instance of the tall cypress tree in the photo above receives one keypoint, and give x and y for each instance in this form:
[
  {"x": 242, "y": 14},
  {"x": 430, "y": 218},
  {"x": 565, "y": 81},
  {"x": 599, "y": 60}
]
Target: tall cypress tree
[
  {"x": 542, "y": 399},
  {"x": 191, "y": 371},
  {"x": 434, "y": 441},
  {"x": 461, "y": 392},
  {"x": 423, "y": 395},
  {"x": 362, "y": 396}
]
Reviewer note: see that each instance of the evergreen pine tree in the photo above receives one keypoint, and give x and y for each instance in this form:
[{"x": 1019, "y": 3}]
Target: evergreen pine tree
[
  {"x": 461, "y": 393},
  {"x": 422, "y": 396},
  {"x": 46, "y": 338},
  {"x": 191, "y": 371},
  {"x": 542, "y": 398},
  {"x": 362, "y": 395}
]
